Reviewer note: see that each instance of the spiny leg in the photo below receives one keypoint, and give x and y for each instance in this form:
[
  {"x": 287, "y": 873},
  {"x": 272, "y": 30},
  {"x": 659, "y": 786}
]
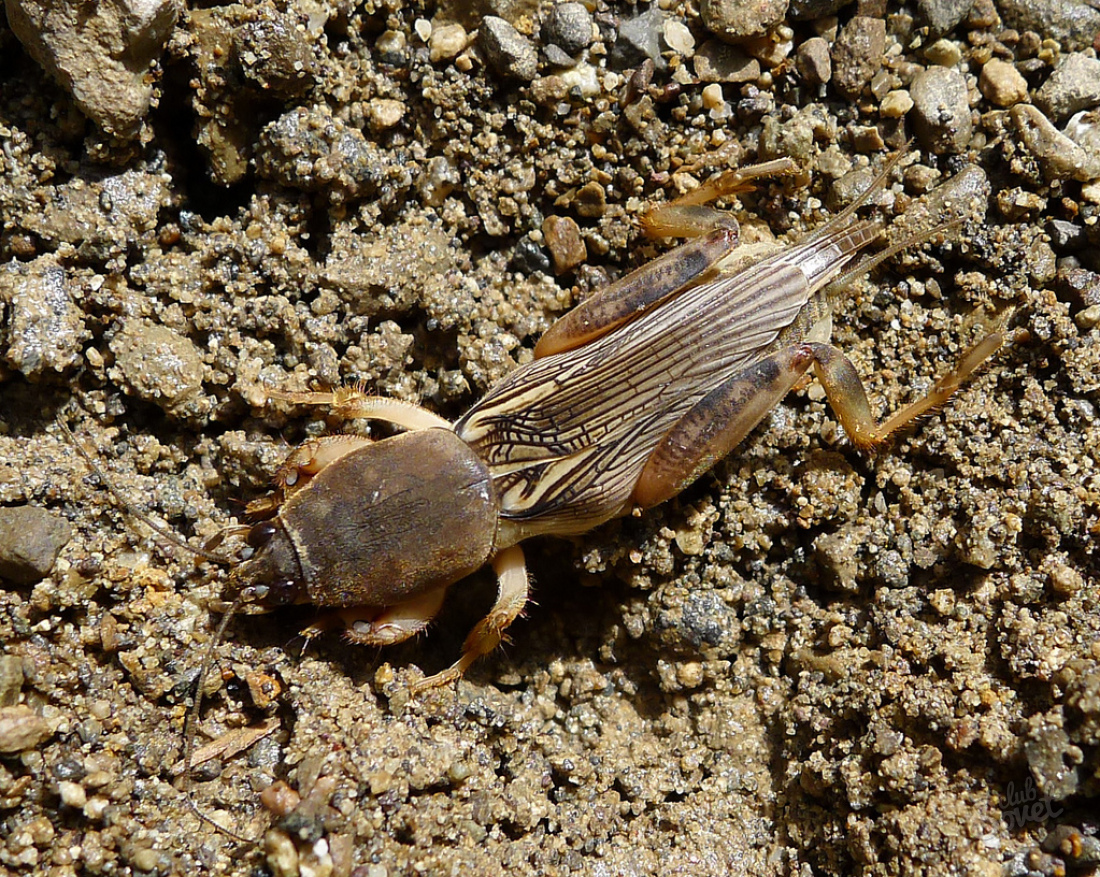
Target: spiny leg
[
  {"x": 512, "y": 596},
  {"x": 350, "y": 403},
  {"x": 687, "y": 216},
  {"x": 716, "y": 233},
  {"x": 718, "y": 422}
]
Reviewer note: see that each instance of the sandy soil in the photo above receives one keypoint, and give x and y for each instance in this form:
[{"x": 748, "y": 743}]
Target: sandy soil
[{"x": 814, "y": 661}]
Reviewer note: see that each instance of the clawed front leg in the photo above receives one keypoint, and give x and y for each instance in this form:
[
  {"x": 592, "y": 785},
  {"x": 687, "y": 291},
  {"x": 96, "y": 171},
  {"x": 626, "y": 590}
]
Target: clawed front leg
[{"x": 381, "y": 627}]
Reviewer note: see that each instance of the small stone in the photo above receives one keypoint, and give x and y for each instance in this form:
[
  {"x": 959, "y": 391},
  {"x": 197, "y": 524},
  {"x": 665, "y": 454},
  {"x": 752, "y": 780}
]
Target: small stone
[
  {"x": 1001, "y": 83},
  {"x": 941, "y": 16},
  {"x": 31, "y": 538},
  {"x": 639, "y": 38},
  {"x": 857, "y": 54},
  {"x": 72, "y": 794},
  {"x": 591, "y": 200},
  {"x": 157, "y": 364},
  {"x": 44, "y": 328},
  {"x": 1065, "y": 237},
  {"x": 716, "y": 61},
  {"x": 813, "y": 61},
  {"x": 315, "y": 152},
  {"x": 1073, "y": 86},
  {"x": 508, "y": 53},
  {"x": 942, "y": 108},
  {"x": 11, "y": 679},
  {"x": 896, "y": 104},
  {"x": 1059, "y": 157},
  {"x": 446, "y": 42},
  {"x": 679, "y": 38},
  {"x": 946, "y": 53},
  {"x": 563, "y": 238},
  {"x": 384, "y": 113},
  {"x": 275, "y": 54},
  {"x": 734, "y": 20},
  {"x": 567, "y": 26},
  {"x": 21, "y": 728},
  {"x": 99, "y": 52},
  {"x": 713, "y": 97}
]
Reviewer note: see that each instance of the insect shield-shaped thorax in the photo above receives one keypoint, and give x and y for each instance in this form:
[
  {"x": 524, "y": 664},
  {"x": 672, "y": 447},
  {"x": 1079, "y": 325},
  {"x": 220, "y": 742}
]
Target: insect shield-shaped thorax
[{"x": 383, "y": 523}]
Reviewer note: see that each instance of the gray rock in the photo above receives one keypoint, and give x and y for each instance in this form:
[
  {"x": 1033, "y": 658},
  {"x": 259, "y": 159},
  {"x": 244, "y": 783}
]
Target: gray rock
[
  {"x": 508, "y": 53},
  {"x": 41, "y": 329},
  {"x": 1073, "y": 86},
  {"x": 99, "y": 52},
  {"x": 1073, "y": 23},
  {"x": 1059, "y": 157},
  {"x": 312, "y": 151},
  {"x": 158, "y": 365},
  {"x": 941, "y": 110},
  {"x": 941, "y": 16},
  {"x": 567, "y": 26},
  {"x": 857, "y": 54},
  {"x": 1065, "y": 237},
  {"x": 31, "y": 538},
  {"x": 735, "y": 20},
  {"x": 638, "y": 39},
  {"x": 276, "y": 55},
  {"x": 813, "y": 61}
]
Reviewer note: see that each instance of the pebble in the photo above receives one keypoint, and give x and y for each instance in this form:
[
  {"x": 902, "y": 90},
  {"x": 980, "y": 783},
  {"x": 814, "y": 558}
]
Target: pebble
[
  {"x": 21, "y": 728},
  {"x": 896, "y": 104},
  {"x": 639, "y": 38},
  {"x": 941, "y": 16},
  {"x": 945, "y": 53},
  {"x": 11, "y": 679},
  {"x": 563, "y": 238},
  {"x": 31, "y": 538},
  {"x": 813, "y": 62},
  {"x": 716, "y": 61},
  {"x": 1001, "y": 83},
  {"x": 44, "y": 327},
  {"x": 1059, "y": 157},
  {"x": 446, "y": 41},
  {"x": 312, "y": 151},
  {"x": 734, "y": 20},
  {"x": 99, "y": 52},
  {"x": 679, "y": 38},
  {"x": 157, "y": 364},
  {"x": 942, "y": 110},
  {"x": 385, "y": 113},
  {"x": 567, "y": 26},
  {"x": 1071, "y": 23},
  {"x": 276, "y": 55},
  {"x": 1073, "y": 86},
  {"x": 857, "y": 54},
  {"x": 507, "y": 52}
]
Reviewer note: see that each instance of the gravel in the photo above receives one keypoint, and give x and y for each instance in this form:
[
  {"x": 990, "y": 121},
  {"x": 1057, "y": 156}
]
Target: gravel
[{"x": 813, "y": 660}]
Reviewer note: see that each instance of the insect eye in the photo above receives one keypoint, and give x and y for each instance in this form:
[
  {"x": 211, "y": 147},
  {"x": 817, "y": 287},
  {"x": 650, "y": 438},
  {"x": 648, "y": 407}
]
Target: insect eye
[
  {"x": 282, "y": 592},
  {"x": 261, "y": 534}
]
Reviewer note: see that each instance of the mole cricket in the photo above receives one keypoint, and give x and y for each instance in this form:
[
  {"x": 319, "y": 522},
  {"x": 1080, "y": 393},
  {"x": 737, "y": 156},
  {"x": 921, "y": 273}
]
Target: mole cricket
[{"x": 630, "y": 397}]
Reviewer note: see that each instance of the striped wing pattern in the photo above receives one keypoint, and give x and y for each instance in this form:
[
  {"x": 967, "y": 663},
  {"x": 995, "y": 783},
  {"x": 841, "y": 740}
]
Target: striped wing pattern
[{"x": 566, "y": 436}]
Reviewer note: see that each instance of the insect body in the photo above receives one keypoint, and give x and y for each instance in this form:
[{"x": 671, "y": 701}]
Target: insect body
[{"x": 631, "y": 396}]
